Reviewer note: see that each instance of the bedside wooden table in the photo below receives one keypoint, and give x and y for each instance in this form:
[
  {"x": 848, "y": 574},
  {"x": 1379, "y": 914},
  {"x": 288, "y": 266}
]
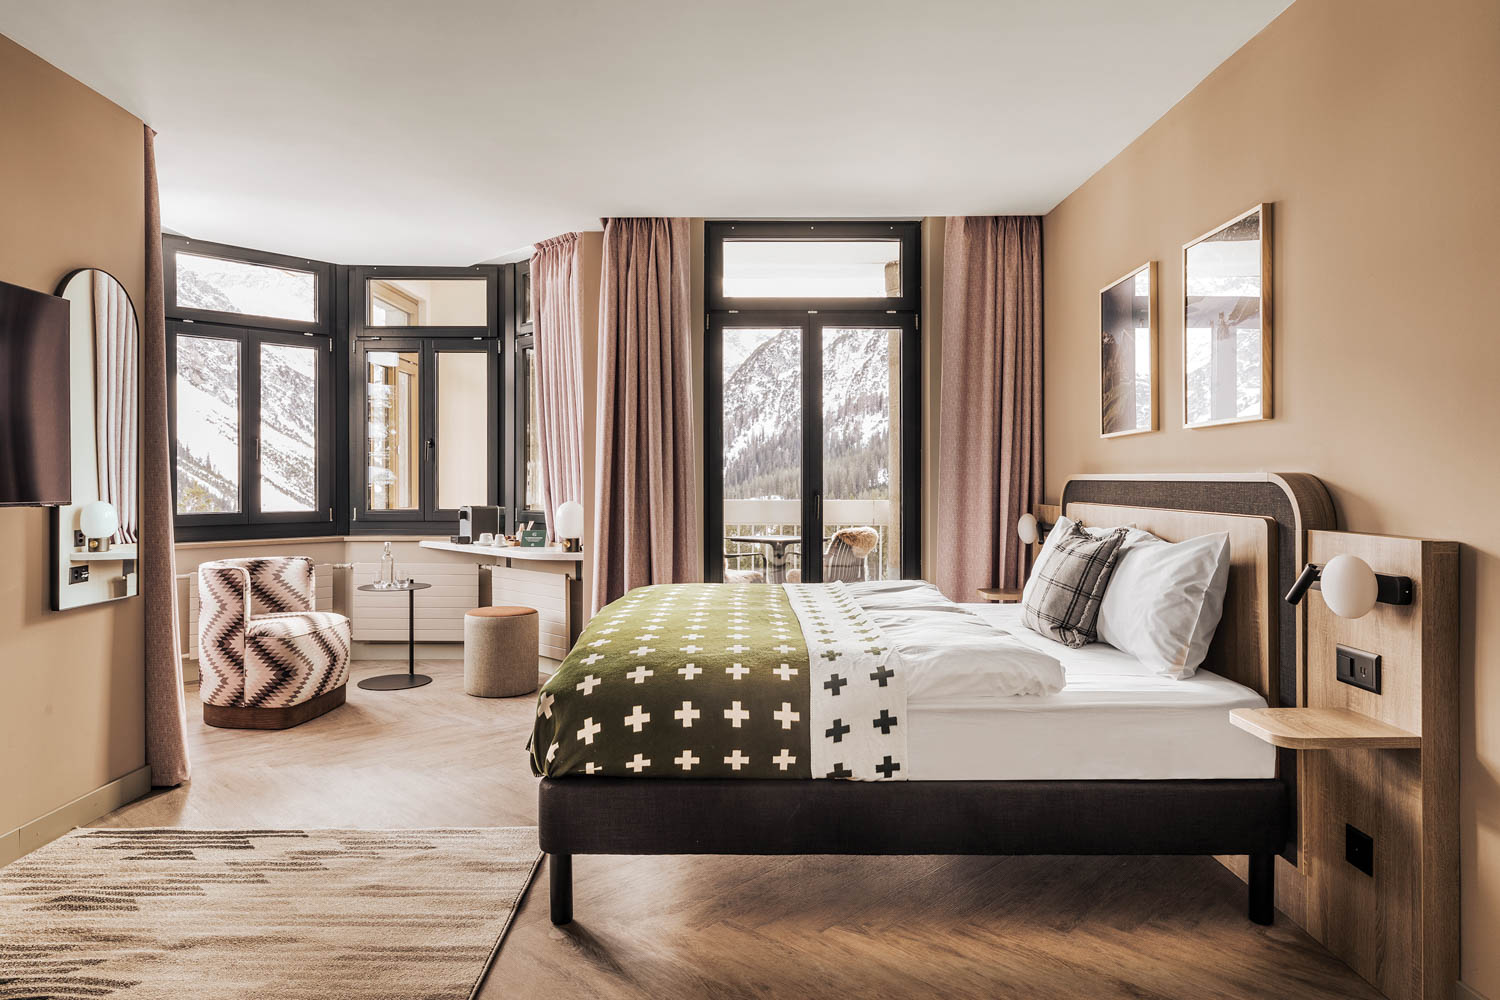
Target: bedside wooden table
[
  {"x": 999, "y": 594},
  {"x": 1322, "y": 729}
]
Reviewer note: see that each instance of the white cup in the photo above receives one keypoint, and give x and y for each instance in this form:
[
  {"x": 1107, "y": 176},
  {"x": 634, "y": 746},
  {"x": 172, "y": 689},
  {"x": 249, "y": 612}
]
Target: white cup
[{"x": 487, "y": 538}]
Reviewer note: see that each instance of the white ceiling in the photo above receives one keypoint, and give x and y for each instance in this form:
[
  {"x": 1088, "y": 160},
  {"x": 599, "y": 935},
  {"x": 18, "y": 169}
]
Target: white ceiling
[{"x": 397, "y": 131}]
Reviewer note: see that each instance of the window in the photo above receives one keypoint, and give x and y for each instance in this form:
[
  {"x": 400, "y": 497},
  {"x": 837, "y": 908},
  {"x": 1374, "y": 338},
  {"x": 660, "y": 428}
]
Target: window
[
  {"x": 526, "y": 468},
  {"x": 812, "y": 402},
  {"x": 252, "y": 401}
]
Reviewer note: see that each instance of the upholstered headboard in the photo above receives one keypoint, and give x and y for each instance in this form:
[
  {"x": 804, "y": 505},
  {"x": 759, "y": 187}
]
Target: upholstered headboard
[{"x": 1296, "y": 502}]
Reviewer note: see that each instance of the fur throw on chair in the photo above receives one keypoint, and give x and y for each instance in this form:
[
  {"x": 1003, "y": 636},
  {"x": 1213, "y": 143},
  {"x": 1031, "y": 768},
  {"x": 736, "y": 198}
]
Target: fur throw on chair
[{"x": 861, "y": 541}]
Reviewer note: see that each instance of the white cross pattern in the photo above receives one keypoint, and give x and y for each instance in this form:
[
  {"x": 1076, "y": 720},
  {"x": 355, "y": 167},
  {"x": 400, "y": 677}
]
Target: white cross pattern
[
  {"x": 589, "y": 731},
  {"x": 641, "y": 650},
  {"x": 599, "y": 642},
  {"x": 690, "y": 671},
  {"x": 639, "y": 763},
  {"x": 693, "y": 635},
  {"x": 551, "y": 752},
  {"x": 544, "y": 704},
  {"x": 690, "y": 649},
  {"x": 738, "y": 670},
  {"x": 588, "y": 684},
  {"x": 786, "y": 671},
  {"x": 686, "y": 760},
  {"x": 591, "y": 659},
  {"x": 590, "y": 767},
  {"x": 686, "y": 714},
  {"x": 784, "y": 759},
  {"x": 640, "y": 673},
  {"x": 607, "y": 631},
  {"x": 786, "y": 716},
  {"x": 736, "y": 715},
  {"x": 636, "y": 719},
  {"x": 783, "y": 649},
  {"x": 736, "y": 760},
  {"x": 737, "y": 648}
]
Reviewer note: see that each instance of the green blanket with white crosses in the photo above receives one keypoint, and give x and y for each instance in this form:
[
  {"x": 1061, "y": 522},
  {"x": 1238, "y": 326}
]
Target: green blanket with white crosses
[{"x": 726, "y": 681}]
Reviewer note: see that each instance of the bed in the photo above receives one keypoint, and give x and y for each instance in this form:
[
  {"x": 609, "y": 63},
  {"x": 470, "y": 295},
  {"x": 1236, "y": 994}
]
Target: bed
[{"x": 1014, "y": 775}]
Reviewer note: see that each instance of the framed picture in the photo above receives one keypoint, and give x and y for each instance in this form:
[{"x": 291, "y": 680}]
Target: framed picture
[
  {"x": 1226, "y": 322},
  {"x": 1127, "y": 354}
]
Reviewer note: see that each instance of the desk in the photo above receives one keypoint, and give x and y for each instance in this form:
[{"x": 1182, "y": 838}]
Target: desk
[{"x": 541, "y": 577}]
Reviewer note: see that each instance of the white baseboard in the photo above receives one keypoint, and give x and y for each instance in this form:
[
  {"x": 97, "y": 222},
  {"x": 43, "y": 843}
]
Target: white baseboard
[{"x": 84, "y": 809}]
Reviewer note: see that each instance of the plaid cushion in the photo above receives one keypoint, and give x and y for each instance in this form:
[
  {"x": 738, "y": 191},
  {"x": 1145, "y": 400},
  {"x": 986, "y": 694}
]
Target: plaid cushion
[{"x": 1068, "y": 583}]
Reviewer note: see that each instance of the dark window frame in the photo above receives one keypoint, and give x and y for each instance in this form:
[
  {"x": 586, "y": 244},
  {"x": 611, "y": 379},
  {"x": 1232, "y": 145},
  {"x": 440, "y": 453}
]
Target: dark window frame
[
  {"x": 908, "y": 233},
  {"x": 250, "y": 521},
  {"x": 173, "y": 245},
  {"x": 359, "y": 301},
  {"x": 812, "y": 316}
]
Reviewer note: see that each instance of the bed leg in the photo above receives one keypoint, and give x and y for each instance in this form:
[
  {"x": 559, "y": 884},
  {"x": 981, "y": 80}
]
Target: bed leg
[
  {"x": 1262, "y": 883},
  {"x": 560, "y": 870}
]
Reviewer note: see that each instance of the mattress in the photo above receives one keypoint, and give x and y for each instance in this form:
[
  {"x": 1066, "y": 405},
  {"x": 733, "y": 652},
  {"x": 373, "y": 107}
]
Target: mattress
[{"x": 1115, "y": 719}]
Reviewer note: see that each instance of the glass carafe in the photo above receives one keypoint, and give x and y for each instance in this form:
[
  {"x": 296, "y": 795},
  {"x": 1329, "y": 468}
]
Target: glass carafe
[{"x": 387, "y": 567}]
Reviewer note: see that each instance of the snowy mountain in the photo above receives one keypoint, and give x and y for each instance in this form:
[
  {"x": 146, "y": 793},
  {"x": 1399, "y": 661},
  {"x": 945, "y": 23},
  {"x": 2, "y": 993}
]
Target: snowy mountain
[{"x": 763, "y": 413}]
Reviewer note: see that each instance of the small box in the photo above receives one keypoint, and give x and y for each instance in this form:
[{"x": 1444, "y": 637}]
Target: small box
[{"x": 533, "y": 538}]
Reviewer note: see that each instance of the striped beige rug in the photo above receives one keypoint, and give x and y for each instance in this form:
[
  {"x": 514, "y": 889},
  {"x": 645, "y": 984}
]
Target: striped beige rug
[{"x": 290, "y": 914}]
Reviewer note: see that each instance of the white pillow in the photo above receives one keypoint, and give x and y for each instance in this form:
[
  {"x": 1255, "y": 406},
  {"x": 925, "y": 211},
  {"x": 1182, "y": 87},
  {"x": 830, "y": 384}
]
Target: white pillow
[{"x": 1165, "y": 599}]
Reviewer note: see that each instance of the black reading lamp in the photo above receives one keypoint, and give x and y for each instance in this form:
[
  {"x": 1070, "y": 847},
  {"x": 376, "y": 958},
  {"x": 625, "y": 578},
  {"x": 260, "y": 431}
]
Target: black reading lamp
[{"x": 1350, "y": 587}]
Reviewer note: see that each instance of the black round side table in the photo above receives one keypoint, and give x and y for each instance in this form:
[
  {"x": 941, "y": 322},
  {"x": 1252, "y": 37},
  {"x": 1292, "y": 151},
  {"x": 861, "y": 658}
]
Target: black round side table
[{"x": 410, "y": 679}]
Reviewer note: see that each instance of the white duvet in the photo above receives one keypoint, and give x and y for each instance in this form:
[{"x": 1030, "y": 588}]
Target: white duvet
[{"x": 950, "y": 654}]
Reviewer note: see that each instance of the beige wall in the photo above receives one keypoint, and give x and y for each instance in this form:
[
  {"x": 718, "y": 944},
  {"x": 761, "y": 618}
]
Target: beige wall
[
  {"x": 71, "y": 683},
  {"x": 1371, "y": 124}
]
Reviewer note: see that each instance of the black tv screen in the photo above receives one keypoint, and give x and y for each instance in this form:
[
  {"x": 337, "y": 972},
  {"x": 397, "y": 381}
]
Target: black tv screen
[{"x": 36, "y": 460}]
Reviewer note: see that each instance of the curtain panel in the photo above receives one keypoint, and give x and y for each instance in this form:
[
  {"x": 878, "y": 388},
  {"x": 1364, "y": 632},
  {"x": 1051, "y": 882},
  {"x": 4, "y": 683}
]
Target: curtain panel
[
  {"x": 990, "y": 431},
  {"x": 115, "y": 403},
  {"x": 166, "y": 704},
  {"x": 556, "y": 295},
  {"x": 645, "y": 511}
]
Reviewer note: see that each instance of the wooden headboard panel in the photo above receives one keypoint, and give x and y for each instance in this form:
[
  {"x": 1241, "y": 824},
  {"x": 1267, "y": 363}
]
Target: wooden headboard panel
[{"x": 1244, "y": 646}]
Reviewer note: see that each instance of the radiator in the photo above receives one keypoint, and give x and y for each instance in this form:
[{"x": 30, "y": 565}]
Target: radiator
[
  {"x": 439, "y": 610},
  {"x": 550, "y": 593},
  {"x": 323, "y": 574}
]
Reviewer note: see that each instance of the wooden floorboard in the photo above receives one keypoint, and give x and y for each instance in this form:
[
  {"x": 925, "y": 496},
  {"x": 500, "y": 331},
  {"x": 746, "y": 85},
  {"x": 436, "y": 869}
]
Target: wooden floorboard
[{"x": 670, "y": 927}]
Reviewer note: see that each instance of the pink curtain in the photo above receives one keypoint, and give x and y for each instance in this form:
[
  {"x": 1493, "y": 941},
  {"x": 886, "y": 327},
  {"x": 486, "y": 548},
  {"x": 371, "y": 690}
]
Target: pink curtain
[
  {"x": 990, "y": 440},
  {"x": 645, "y": 512},
  {"x": 166, "y": 705},
  {"x": 115, "y": 403},
  {"x": 556, "y": 299}
]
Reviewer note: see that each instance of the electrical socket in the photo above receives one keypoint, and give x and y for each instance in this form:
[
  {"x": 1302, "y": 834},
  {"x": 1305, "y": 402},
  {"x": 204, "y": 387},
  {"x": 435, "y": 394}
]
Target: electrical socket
[
  {"x": 1358, "y": 668},
  {"x": 78, "y": 574}
]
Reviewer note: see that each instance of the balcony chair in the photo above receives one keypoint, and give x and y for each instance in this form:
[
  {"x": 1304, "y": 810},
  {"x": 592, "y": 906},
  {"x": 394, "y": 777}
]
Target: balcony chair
[
  {"x": 844, "y": 559},
  {"x": 267, "y": 660}
]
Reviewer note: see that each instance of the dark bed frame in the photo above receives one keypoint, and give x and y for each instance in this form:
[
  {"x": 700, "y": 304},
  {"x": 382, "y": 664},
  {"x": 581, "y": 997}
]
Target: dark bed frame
[{"x": 1252, "y": 817}]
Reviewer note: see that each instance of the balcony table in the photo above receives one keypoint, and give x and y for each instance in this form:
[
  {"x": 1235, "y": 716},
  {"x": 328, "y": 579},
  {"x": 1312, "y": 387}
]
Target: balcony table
[{"x": 776, "y": 546}]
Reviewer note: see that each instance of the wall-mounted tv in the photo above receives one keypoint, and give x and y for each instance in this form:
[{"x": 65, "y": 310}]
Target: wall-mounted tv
[{"x": 36, "y": 461}]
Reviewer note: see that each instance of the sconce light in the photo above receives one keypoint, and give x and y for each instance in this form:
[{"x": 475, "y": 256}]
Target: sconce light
[
  {"x": 1030, "y": 530},
  {"x": 569, "y": 527},
  {"x": 1350, "y": 587},
  {"x": 98, "y": 521}
]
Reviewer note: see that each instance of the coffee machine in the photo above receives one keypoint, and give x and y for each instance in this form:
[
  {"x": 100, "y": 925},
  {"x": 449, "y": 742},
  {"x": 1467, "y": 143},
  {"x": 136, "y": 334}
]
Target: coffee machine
[{"x": 475, "y": 521}]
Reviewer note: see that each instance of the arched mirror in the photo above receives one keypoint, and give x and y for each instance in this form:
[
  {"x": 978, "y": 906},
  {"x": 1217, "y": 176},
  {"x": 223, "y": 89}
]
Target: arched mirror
[{"x": 94, "y": 538}]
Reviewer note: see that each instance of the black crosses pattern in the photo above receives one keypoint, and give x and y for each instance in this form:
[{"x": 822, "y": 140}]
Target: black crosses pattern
[
  {"x": 888, "y": 767},
  {"x": 882, "y": 675},
  {"x": 833, "y": 683},
  {"x": 885, "y": 722},
  {"x": 840, "y": 771},
  {"x": 836, "y": 731}
]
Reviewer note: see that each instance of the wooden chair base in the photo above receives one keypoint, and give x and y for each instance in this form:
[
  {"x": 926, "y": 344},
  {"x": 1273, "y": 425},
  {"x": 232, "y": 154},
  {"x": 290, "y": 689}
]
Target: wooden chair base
[{"x": 246, "y": 717}]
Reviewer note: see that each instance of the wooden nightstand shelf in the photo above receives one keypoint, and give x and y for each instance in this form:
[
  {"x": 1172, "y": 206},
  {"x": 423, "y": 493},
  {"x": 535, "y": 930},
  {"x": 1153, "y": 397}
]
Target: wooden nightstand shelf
[
  {"x": 1000, "y": 594},
  {"x": 1322, "y": 729}
]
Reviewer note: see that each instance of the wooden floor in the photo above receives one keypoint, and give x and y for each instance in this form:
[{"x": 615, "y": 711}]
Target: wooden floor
[{"x": 747, "y": 927}]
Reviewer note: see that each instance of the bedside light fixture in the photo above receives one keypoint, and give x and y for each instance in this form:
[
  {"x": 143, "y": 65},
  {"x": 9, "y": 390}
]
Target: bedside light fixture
[
  {"x": 569, "y": 527},
  {"x": 98, "y": 521},
  {"x": 1030, "y": 530},
  {"x": 1350, "y": 587}
]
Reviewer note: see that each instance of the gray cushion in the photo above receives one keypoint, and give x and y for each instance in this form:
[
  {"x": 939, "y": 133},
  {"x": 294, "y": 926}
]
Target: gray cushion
[{"x": 1068, "y": 583}]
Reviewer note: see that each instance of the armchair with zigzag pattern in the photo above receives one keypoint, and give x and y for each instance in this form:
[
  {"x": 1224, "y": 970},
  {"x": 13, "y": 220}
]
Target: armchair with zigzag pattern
[{"x": 267, "y": 660}]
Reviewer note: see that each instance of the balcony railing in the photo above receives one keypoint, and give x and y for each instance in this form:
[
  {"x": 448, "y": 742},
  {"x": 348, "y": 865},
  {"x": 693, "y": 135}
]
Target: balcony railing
[{"x": 784, "y": 517}]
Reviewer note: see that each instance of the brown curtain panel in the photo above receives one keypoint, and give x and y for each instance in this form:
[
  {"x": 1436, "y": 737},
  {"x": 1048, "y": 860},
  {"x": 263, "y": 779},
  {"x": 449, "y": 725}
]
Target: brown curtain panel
[
  {"x": 166, "y": 705},
  {"x": 990, "y": 441},
  {"x": 558, "y": 305},
  {"x": 115, "y": 404},
  {"x": 645, "y": 512}
]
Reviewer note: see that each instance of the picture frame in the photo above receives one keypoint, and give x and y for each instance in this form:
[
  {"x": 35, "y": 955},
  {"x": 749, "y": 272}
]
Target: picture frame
[
  {"x": 1128, "y": 399},
  {"x": 1227, "y": 323}
]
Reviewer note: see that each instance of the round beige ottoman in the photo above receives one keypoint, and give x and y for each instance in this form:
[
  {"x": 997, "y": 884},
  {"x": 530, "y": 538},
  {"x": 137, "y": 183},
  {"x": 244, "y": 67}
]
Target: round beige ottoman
[{"x": 500, "y": 652}]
